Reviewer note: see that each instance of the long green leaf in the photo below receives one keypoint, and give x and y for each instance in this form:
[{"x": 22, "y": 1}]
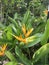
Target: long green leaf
[
  {"x": 9, "y": 37},
  {"x": 41, "y": 52},
  {"x": 46, "y": 34},
  {"x": 34, "y": 41},
  {"x": 11, "y": 63},
  {"x": 22, "y": 57},
  {"x": 13, "y": 21},
  {"x": 26, "y": 17},
  {"x": 10, "y": 56}
]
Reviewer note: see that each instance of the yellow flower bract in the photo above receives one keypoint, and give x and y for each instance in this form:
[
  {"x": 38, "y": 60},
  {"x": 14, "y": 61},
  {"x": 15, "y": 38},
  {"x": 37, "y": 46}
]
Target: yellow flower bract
[
  {"x": 3, "y": 49},
  {"x": 25, "y": 32}
]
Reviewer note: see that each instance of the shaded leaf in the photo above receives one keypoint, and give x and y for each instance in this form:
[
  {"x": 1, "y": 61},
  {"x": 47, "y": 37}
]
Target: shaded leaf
[
  {"x": 22, "y": 57},
  {"x": 26, "y": 17},
  {"x": 13, "y": 21}
]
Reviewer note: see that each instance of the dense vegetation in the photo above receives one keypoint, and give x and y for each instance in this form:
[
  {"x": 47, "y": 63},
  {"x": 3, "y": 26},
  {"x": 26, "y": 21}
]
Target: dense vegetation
[{"x": 24, "y": 32}]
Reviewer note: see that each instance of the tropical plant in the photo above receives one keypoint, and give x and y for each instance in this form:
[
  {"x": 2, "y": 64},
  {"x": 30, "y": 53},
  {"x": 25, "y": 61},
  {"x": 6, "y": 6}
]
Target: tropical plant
[{"x": 24, "y": 37}]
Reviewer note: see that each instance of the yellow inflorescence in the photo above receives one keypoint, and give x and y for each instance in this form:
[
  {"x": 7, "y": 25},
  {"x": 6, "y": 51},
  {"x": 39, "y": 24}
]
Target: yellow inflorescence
[
  {"x": 20, "y": 38},
  {"x": 29, "y": 32},
  {"x": 25, "y": 32},
  {"x": 3, "y": 49},
  {"x": 1, "y": 53}
]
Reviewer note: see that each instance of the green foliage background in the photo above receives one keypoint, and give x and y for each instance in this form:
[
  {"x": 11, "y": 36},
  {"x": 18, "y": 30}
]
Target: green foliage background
[{"x": 28, "y": 12}]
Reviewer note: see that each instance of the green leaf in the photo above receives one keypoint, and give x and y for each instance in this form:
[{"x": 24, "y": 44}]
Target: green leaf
[
  {"x": 29, "y": 26},
  {"x": 41, "y": 52},
  {"x": 15, "y": 16},
  {"x": 10, "y": 56},
  {"x": 2, "y": 26},
  {"x": 39, "y": 28},
  {"x": 9, "y": 37},
  {"x": 17, "y": 31},
  {"x": 22, "y": 57},
  {"x": 5, "y": 2},
  {"x": 34, "y": 41},
  {"x": 46, "y": 34},
  {"x": 11, "y": 63},
  {"x": 12, "y": 2},
  {"x": 26, "y": 17},
  {"x": 13, "y": 21},
  {"x": 14, "y": 29}
]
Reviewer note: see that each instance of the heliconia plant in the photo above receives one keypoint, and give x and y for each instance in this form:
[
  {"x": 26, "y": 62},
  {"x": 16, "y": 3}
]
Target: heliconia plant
[{"x": 20, "y": 36}]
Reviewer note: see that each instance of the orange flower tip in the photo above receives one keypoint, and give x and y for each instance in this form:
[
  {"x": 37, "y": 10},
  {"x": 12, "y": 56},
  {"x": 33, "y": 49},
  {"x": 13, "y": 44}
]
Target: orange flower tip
[
  {"x": 1, "y": 53},
  {"x": 29, "y": 32},
  {"x": 4, "y": 47},
  {"x": 18, "y": 38}
]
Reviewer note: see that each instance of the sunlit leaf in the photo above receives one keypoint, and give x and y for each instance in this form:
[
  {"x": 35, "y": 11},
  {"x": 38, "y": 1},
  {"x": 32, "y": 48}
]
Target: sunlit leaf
[
  {"x": 10, "y": 56},
  {"x": 46, "y": 34},
  {"x": 35, "y": 41},
  {"x": 11, "y": 63},
  {"x": 41, "y": 52}
]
